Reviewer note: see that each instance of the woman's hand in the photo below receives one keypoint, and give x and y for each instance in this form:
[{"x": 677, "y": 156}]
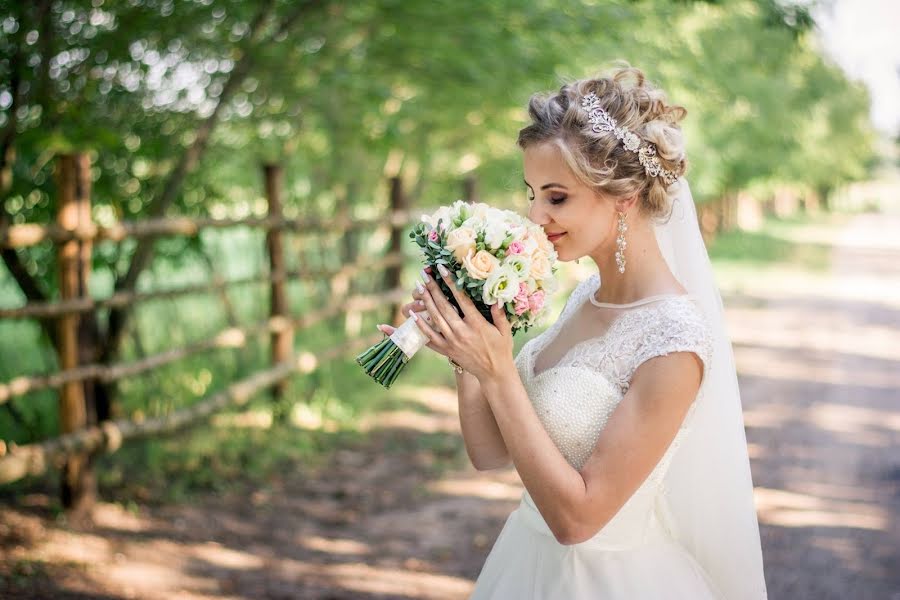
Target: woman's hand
[
  {"x": 416, "y": 305},
  {"x": 479, "y": 347}
]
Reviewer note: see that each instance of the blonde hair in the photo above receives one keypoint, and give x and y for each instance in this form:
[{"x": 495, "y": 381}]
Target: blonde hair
[{"x": 600, "y": 161}]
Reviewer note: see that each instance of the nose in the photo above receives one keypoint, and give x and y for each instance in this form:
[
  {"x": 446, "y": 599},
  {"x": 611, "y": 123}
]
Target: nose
[{"x": 536, "y": 214}]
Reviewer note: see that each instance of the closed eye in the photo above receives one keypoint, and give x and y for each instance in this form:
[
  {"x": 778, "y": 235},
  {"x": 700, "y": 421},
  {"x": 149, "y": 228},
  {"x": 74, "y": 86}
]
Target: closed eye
[{"x": 554, "y": 200}]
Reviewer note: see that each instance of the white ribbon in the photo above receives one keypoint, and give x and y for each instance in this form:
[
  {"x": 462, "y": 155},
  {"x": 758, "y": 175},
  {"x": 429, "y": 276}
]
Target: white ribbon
[{"x": 409, "y": 337}]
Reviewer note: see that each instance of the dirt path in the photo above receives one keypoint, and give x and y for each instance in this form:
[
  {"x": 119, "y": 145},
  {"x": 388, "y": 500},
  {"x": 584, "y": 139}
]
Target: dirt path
[
  {"x": 820, "y": 378},
  {"x": 820, "y": 375}
]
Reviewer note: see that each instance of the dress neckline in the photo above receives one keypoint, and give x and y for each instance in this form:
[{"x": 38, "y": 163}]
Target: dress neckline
[
  {"x": 531, "y": 357},
  {"x": 638, "y": 302}
]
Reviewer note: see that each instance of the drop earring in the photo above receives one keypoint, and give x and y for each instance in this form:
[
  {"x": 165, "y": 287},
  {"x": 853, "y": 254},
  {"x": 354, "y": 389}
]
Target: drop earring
[{"x": 621, "y": 243}]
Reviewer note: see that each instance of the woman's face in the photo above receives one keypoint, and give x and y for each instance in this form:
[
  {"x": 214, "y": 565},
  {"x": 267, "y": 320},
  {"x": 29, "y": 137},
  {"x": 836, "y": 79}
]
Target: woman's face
[{"x": 561, "y": 204}]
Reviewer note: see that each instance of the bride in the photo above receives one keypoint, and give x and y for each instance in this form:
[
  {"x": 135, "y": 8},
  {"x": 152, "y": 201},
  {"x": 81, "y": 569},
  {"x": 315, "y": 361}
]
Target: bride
[{"x": 623, "y": 419}]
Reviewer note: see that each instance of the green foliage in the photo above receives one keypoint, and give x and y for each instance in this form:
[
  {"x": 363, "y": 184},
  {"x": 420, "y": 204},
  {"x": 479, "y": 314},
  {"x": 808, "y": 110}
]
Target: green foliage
[{"x": 342, "y": 94}]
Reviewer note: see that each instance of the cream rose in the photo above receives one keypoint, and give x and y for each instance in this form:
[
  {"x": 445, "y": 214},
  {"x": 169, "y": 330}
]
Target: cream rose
[
  {"x": 480, "y": 264},
  {"x": 461, "y": 241},
  {"x": 540, "y": 265}
]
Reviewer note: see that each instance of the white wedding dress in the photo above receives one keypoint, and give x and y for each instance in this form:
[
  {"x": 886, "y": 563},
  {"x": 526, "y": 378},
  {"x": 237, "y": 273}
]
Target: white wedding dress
[{"x": 575, "y": 380}]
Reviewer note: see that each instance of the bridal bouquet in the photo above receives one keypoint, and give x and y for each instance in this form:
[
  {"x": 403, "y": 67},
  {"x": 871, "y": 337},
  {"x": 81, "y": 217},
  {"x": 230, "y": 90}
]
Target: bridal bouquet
[{"x": 497, "y": 256}]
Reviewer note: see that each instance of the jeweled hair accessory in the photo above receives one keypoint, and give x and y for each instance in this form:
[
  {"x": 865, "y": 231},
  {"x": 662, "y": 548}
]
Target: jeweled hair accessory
[{"x": 601, "y": 121}]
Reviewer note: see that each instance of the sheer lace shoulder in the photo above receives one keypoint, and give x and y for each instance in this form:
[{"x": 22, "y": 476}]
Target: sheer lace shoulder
[
  {"x": 672, "y": 325},
  {"x": 575, "y": 396},
  {"x": 677, "y": 325}
]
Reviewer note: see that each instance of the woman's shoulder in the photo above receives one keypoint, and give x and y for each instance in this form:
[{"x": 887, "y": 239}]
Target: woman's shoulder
[{"x": 674, "y": 324}]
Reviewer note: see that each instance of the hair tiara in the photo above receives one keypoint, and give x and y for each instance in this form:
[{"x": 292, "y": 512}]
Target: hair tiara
[{"x": 601, "y": 121}]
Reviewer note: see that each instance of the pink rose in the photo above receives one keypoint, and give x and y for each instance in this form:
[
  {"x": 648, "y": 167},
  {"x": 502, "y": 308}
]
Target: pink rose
[
  {"x": 521, "y": 305},
  {"x": 523, "y": 291},
  {"x": 536, "y": 300},
  {"x": 433, "y": 235},
  {"x": 515, "y": 248}
]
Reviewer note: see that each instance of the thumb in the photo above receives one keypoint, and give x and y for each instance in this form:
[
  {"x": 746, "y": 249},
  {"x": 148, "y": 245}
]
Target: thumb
[{"x": 385, "y": 329}]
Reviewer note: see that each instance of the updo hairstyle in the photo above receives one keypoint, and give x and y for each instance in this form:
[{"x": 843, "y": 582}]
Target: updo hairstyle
[{"x": 600, "y": 160}]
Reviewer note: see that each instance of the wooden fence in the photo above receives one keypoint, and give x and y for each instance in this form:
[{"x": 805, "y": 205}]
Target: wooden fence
[
  {"x": 83, "y": 367},
  {"x": 73, "y": 235}
]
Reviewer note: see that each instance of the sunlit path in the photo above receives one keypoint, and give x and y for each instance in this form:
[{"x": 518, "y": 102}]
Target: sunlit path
[{"x": 820, "y": 375}]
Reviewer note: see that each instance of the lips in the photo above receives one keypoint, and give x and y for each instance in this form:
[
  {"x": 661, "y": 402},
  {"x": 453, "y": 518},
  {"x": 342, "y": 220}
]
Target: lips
[{"x": 555, "y": 236}]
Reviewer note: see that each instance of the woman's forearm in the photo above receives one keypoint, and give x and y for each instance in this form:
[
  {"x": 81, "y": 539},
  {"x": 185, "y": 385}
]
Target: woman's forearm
[
  {"x": 556, "y": 487},
  {"x": 484, "y": 442}
]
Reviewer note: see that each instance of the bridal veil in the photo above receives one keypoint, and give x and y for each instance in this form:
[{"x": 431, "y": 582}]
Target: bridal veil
[{"x": 710, "y": 490}]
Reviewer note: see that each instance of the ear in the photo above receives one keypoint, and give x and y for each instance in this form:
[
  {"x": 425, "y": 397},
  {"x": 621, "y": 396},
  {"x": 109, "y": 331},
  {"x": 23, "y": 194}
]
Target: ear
[{"x": 626, "y": 204}]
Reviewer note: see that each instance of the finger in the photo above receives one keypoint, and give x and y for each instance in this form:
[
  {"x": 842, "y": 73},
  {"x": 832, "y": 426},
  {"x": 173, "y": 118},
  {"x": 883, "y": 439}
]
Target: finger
[
  {"x": 388, "y": 330},
  {"x": 501, "y": 320},
  {"x": 441, "y": 318},
  {"x": 465, "y": 302},
  {"x": 441, "y": 304},
  {"x": 434, "y": 337},
  {"x": 410, "y": 306}
]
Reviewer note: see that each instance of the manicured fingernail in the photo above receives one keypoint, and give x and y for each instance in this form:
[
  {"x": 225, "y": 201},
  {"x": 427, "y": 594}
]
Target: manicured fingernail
[
  {"x": 420, "y": 288},
  {"x": 425, "y": 276},
  {"x": 443, "y": 270},
  {"x": 414, "y": 316}
]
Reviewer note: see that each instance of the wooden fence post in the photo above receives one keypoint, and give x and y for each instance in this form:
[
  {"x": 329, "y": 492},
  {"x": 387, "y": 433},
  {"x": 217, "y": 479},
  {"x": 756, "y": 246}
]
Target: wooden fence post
[
  {"x": 392, "y": 280},
  {"x": 282, "y": 341},
  {"x": 78, "y": 485},
  {"x": 470, "y": 189}
]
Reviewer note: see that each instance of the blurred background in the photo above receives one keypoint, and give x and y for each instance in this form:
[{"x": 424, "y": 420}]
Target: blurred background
[{"x": 204, "y": 212}]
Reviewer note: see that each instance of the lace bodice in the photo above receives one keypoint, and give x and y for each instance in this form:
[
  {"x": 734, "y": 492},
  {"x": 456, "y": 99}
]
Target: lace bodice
[{"x": 575, "y": 397}]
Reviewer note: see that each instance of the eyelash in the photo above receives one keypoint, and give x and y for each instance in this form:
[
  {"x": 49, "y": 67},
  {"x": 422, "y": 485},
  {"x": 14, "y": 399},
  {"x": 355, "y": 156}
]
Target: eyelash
[{"x": 553, "y": 200}]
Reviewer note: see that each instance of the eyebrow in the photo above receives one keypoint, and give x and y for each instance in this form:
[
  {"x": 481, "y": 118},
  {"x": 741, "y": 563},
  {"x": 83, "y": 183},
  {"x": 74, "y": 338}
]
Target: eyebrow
[{"x": 547, "y": 185}]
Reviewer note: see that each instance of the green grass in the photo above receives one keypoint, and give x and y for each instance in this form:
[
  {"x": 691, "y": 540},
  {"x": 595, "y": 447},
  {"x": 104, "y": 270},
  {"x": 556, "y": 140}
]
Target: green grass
[
  {"x": 773, "y": 245},
  {"x": 786, "y": 254}
]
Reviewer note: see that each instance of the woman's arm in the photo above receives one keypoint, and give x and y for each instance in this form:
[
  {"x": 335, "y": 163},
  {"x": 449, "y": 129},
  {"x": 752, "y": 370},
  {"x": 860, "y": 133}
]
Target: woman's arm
[
  {"x": 577, "y": 504},
  {"x": 483, "y": 440}
]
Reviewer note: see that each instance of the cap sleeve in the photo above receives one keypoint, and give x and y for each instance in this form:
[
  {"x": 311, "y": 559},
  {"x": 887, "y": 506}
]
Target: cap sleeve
[{"x": 678, "y": 326}]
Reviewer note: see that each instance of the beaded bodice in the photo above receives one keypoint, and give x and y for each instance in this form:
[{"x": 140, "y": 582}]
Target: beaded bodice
[{"x": 575, "y": 397}]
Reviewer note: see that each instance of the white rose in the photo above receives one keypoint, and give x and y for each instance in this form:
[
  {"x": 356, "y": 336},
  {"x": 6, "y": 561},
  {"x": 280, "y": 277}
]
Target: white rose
[
  {"x": 517, "y": 230},
  {"x": 494, "y": 234},
  {"x": 521, "y": 264},
  {"x": 529, "y": 245},
  {"x": 460, "y": 209},
  {"x": 441, "y": 213},
  {"x": 497, "y": 215},
  {"x": 501, "y": 285},
  {"x": 480, "y": 210}
]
